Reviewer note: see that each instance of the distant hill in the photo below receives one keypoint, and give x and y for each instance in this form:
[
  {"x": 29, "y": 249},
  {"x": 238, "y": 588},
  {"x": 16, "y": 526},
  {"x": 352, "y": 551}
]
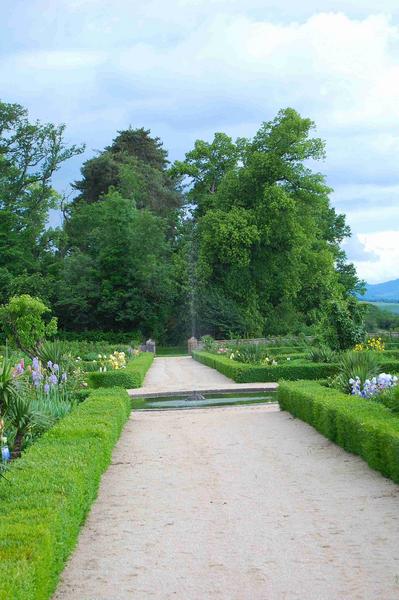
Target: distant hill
[{"x": 382, "y": 292}]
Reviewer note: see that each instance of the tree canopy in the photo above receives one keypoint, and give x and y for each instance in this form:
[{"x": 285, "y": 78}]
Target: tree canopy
[
  {"x": 268, "y": 238},
  {"x": 29, "y": 155},
  {"x": 238, "y": 238}
]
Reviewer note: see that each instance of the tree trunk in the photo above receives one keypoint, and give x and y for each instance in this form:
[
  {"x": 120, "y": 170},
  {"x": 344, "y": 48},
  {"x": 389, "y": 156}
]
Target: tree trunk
[{"x": 17, "y": 449}]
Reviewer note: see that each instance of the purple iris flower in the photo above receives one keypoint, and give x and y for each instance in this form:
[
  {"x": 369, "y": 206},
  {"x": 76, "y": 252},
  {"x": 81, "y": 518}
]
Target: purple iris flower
[
  {"x": 53, "y": 379},
  {"x": 46, "y": 388},
  {"x": 35, "y": 364},
  {"x": 36, "y": 377},
  {"x": 64, "y": 377},
  {"x": 50, "y": 364},
  {"x": 56, "y": 368},
  {"x": 19, "y": 369}
]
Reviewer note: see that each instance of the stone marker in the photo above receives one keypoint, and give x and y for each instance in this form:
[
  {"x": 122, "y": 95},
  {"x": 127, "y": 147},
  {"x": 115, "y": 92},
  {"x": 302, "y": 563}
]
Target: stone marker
[
  {"x": 192, "y": 344},
  {"x": 150, "y": 346}
]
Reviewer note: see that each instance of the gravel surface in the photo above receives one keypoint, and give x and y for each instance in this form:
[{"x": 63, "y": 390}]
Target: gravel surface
[
  {"x": 240, "y": 503},
  {"x": 184, "y": 374}
]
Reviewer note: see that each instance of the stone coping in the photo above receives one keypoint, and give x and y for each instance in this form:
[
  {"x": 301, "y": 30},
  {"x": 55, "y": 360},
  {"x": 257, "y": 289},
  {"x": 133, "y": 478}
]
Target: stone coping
[{"x": 164, "y": 392}]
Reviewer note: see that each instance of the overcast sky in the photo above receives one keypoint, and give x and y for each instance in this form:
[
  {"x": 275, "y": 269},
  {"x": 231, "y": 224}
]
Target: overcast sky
[{"x": 188, "y": 68}]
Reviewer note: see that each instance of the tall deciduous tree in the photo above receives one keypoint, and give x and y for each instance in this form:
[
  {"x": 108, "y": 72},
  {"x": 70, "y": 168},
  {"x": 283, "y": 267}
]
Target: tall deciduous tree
[
  {"x": 29, "y": 155},
  {"x": 269, "y": 240},
  {"x": 118, "y": 273}
]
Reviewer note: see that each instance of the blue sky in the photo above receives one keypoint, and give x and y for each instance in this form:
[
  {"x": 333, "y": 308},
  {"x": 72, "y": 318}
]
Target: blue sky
[{"x": 188, "y": 68}]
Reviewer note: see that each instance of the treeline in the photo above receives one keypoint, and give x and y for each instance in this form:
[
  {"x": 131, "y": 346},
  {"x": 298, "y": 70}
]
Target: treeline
[
  {"x": 377, "y": 319},
  {"x": 238, "y": 239}
]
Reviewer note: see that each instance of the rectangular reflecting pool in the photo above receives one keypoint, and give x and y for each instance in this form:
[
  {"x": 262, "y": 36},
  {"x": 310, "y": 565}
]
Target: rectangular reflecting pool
[{"x": 199, "y": 400}]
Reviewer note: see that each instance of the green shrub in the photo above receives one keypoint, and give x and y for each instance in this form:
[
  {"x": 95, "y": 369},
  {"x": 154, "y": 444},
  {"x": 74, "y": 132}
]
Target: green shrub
[
  {"x": 50, "y": 491},
  {"x": 288, "y": 350},
  {"x": 26, "y": 322},
  {"x": 342, "y": 326},
  {"x": 360, "y": 426},
  {"x": 390, "y": 399},
  {"x": 131, "y": 377},
  {"x": 88, "y": 365},
  {"x": 209, "y": 343},
  {"x": 244, "y": 373},
  {"x": 352, "y": 364},
  {"x": 322, "y": 354},
  {"x": 389, "y": 365},
  {"x": 90, "y": 350},
  {"x": 51, "y": 351},
  {"x": 251, "y": 353},
  {"x": 111, "y": 337},
  {"x": 392, "y": 345}
]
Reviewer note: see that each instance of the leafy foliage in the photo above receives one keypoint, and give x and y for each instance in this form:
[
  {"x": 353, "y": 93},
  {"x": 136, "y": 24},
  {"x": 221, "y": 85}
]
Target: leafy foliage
[
  {"x": 322, "y": 354},
  {"x": 342, "y": 326},
  {"x": 29, "y": 155},
  {"x": 26, "y": 322},
  {"x": 390, "y": 399},
  {"x": 364, "y": 365},
  {"x": 237, "y": 239},
  {"x": 119, "y": 271},
  {"x": 269, "y": 255},
  {"x": 209, "y": 343},
  {"x": 8, "y": 384}
]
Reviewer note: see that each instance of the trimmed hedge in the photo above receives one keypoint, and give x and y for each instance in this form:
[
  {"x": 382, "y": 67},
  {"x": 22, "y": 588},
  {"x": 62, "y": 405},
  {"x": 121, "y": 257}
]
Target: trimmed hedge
[
  {"x": 389, "y": 365},
  {"x": 360, "y": 426},
  {"x": 50, "y": 490},
  {"x": 131, "y": 377},
  {"x": 245, "y": 373},
  {"x": 297, "y": 368}
]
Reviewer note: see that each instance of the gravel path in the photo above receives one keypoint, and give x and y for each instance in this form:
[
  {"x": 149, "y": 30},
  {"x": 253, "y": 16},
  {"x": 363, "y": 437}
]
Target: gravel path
[
  {"x": 183, "y": 374},
  {"x": 238, "y": 503}
]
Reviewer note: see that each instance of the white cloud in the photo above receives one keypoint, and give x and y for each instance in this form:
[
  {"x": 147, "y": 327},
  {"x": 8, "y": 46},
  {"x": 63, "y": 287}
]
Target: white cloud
[
  {"x": 187, "y": 68},
  {"x": 384, "y": 265}
]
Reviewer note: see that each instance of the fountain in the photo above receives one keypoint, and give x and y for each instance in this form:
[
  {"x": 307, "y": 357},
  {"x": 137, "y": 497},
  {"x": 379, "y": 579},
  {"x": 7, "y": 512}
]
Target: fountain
[{"x": 195, "y": 397}]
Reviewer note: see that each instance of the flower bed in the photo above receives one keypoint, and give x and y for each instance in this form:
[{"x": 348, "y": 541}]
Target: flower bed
[
  {"x": 247, "y": 373},
  {"x": 130, "y": 377},
  {"x": 50, "y": 491},
  {"x": 358, "y": 425}
]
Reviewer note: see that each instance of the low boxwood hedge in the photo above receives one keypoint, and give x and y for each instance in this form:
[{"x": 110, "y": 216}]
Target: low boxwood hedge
[
  {"x": 360, "y": 426},
  {"x": 389, "y": 365},
  {"x": 131, "y": 377},
  {"x": 246, "y": 373},
  {"x": 291, "y": 370},
  {"x": 49, "y": 492}
]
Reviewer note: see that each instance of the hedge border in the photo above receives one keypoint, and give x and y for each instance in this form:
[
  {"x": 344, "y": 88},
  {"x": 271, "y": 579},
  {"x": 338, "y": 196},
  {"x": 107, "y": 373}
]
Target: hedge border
[
  {"x": 49, "y": 492},
  {"x": 130, "y": 377},
  {"x": 245, "y": 373},
  {"x": 360, "y": 426},
  {"x": 297, "y": 368}
]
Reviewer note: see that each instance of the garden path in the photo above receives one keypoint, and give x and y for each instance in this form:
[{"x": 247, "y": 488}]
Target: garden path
[
  {"x": 183, "y": 374},
  {"x": 238, "y": 503}
]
